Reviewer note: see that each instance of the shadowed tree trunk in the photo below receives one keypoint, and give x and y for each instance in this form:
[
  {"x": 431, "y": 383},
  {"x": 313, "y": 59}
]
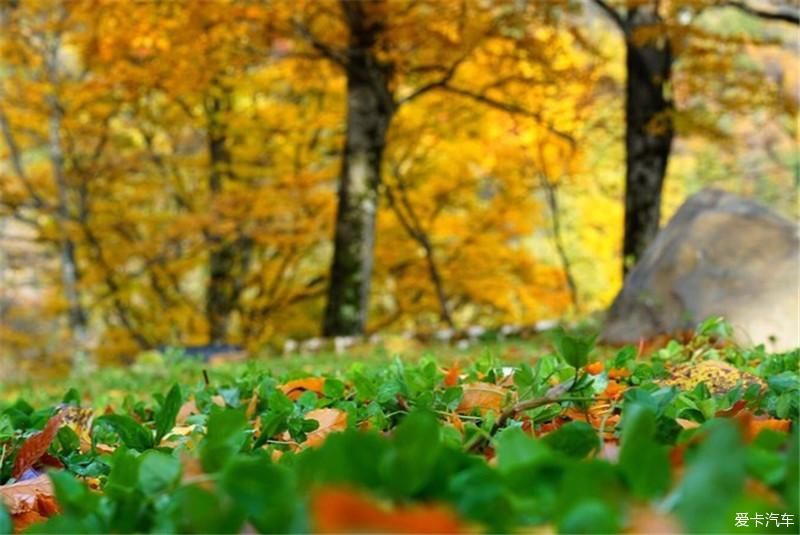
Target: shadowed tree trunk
[
  {"x": 648, "y": 123},
  {"x": 369, "y": 111},
  {"x": 648, "y": 131}
]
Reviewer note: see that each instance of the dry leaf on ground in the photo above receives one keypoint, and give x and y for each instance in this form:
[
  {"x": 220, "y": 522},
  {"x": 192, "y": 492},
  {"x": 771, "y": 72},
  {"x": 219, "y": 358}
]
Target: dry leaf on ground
[
  {"x": 329, "y": 420},
  {"x": 341, "y": 510},
  {"x": 295, "y": 389},
  {"x": 482, "y": 396},
  {"x": 35, "y": 446}
]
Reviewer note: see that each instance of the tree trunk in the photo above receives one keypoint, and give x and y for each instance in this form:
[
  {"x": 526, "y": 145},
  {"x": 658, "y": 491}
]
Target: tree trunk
[
  {"x": 369, "y": 111},
  {"x": 649, "y": 131},
  {"x": 70, "y": 274},
  {"x": 227, "y": 258}
]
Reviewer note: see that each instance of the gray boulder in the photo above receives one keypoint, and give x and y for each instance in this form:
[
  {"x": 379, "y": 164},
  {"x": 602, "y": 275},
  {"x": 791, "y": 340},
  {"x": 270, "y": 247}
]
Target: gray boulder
[{"x": 720, "y": 255}]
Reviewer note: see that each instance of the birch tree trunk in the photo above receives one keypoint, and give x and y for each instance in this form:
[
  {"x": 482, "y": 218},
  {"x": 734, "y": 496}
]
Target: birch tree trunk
[{"x": 70, "y": 274}]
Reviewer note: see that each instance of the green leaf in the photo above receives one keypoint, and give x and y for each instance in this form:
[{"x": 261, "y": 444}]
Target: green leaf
[
  {"x": 68, "y": 439},
  {"x": 643, "y": 461},
  {"x": 333, "y": 389},
  {"x": 227, "y": 432},
  {"x": 197, "y": 510},
  {"x": 165, "y": 420},
  {"x": 6, "y": 527},
  {"x": 714, "y": 479},
  {"x": 516, "y": 450},
  {"x": 573, "y": 349},
  {"x": 263, "y": 490},
  {"x": 72, "y": 397},
  {"x": 576, "y": 439},
  {"x": 590, "y": 516},
  {"x": 158, "y": 472},
  {"x": 72, "y": 495},
  {"x": 415, "y": 450},
  {"x": 124, "y": 475},
  {"x": 132, "y": 434}
]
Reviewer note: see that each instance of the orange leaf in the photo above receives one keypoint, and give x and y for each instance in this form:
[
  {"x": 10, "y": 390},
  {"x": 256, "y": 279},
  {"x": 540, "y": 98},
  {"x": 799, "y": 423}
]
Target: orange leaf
[
  {"x": 294, "y": 389},
  {"x": 774, "y": 424},
  {"x": 35, "y": 446},
  {"x": 482, "y": 396},
  {"x": 614, "y": 389},
  {"x": 341, "y": 510},
  {"x": 594, "y": 368},
  {"x": 451, "y": 378},
  {"x": 456, "y": 422},
  {"x": 252, "y": 405},
  {"x": 618, "y": 373},
  {"x": 23, "y": 521}
]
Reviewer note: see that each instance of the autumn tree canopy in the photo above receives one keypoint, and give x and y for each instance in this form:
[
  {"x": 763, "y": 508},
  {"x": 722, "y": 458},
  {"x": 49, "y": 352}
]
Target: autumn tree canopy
[{"x": 227, "y": 172}]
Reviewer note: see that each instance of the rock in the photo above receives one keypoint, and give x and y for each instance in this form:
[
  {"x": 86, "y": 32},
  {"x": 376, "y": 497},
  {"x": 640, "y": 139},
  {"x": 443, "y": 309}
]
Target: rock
[{"x": 720, "y": 255}]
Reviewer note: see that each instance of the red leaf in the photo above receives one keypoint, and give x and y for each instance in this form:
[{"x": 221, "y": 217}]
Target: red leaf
[{"x": 36, "y": 446}]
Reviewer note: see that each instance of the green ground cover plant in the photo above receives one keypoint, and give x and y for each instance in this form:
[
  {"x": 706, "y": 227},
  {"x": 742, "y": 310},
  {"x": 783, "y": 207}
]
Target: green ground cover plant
[{"x": 571, "y": 440}]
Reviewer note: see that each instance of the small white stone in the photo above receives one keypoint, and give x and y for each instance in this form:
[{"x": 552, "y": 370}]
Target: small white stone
[
  {"x": 545, "y": 325},
  {"x": 290, "y": 346},
  {"x": 475, "y": 331},
  {"x": 312, "y": 344},
  {"x": 508, "y": 330},
  {"x": 444, "y": 335}
]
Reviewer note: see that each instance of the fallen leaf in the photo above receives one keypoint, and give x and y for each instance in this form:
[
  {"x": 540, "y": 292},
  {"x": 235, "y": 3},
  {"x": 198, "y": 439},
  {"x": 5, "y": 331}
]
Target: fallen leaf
[
  {"x": 295, "y": 389},
  {"x": 456, "y": 422},
  {"x": 759, "y": 424},
  {"x": 25, "y": 496},
  {"x": 187, "y": 409},
  {"x": 329, "y": 420},
  {"x": 614, "y": 390},
  {"x": 687, "y": 424},
  {"x": 618, "y": 373},
  {"x": 594, "y": 368},
  {"x": 452, "y": 375},
  {"x": 23, "y": 521},
  {"x": 218, "y": 400},
  {"x": 482, "y": 396},
  {"x": 252, "y": 405},
  {"x": 342, "y": 510},
  {"x": 35, "y": 446}
]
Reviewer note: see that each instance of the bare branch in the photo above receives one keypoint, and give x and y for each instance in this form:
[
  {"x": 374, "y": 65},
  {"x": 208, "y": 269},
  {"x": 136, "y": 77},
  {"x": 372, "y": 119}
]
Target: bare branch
[
  {"x": 613, "y": 14},
  {"x": 791, "y": 17},
  {"x": 15, "y": 155},
  {"x": 437, "y": 84},
  {"x": 511, "y": 108},
  {"x": 326, "y": 50}
]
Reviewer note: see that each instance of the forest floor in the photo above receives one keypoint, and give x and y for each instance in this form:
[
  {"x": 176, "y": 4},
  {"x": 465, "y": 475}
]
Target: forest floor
[{"x": 549, "y": 434}]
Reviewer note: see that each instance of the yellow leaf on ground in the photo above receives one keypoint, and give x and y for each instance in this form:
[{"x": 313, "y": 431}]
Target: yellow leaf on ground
[
  {"x": 482, "y": 396},
  {"x": 295, "y": 389}
]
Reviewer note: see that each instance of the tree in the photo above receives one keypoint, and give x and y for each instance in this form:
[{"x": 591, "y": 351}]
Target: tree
[
  {"x": 649, "y": 106},
  {"x": 388, "y": 62}
]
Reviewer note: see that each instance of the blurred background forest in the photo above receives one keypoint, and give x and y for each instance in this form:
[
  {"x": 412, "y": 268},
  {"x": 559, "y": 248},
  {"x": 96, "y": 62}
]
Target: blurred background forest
[{"x": 246, "y": 172}]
